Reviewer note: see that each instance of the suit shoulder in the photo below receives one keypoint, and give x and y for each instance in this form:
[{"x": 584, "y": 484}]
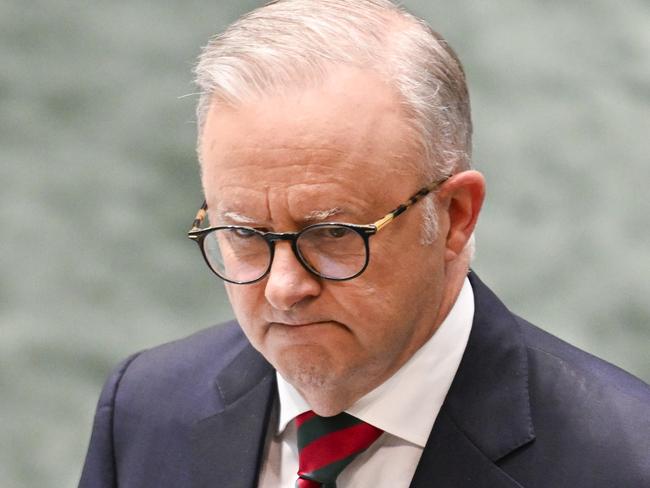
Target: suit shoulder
[
  {"x": 591, "y": 419},
  {"x": 216, "y": 346},
  {"x": 547, "y": 349},
  {"x": 586, "y": 409}
]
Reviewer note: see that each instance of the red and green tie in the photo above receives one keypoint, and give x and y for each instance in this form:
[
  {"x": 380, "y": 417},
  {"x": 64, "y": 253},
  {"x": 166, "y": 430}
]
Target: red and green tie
[{"x": 326, "y": 445}]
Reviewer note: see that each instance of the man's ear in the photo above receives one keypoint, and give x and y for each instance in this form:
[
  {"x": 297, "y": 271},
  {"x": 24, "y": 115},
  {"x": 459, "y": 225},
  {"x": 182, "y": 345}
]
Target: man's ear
[{"x": 462, "y": 197}]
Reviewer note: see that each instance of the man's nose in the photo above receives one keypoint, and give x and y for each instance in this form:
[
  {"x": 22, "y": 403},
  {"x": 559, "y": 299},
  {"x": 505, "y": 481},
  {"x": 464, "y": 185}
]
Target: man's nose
[{"x": 288, "y": 282}]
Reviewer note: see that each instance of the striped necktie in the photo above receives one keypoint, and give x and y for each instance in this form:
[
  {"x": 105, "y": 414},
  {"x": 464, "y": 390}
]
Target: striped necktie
[{"x": 326, "y": 445}]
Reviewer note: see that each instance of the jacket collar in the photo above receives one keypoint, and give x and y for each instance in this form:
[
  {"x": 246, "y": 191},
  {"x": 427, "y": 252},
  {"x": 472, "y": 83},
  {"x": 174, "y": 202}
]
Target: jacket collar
[
  {"x": 486, "y": 414},
  {"x": 489, "y": 398}
]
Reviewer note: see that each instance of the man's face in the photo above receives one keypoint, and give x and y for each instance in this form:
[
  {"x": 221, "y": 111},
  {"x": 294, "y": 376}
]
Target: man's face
[{"x": 339, "y": 152}]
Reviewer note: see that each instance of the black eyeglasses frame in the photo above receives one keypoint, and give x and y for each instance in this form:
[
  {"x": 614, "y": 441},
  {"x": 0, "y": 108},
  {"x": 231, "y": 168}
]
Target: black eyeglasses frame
[{"x": 197, "y": 234}]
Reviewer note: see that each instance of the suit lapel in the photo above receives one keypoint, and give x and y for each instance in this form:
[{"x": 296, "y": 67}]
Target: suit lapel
[
  {"x": 228, "y": 446},
  {"x": 486, "y": 414},
  {"x": 450, "y": 460}
]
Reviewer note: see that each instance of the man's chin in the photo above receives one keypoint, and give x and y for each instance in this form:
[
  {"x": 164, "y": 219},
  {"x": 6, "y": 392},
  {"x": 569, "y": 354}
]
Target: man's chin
[
  {"x": 324, "y": 387},
  {"x": 306, "y": 366}
]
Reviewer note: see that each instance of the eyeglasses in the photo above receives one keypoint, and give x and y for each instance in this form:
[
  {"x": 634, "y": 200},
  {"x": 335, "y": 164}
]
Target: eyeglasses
[{"x": 331, "y": 250}]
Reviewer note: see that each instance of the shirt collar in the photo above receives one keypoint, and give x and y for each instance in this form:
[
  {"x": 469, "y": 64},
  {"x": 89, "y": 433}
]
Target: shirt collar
[{"x": 406, "y": 404}]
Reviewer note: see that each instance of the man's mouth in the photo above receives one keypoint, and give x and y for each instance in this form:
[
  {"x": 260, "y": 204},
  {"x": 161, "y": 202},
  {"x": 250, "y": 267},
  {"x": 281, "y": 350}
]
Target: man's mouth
[{"x": 300, "y": 323}]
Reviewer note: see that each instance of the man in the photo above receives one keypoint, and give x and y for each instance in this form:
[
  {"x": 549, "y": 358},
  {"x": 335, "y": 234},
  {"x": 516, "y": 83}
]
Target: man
[{"x": 334, "y": 141}]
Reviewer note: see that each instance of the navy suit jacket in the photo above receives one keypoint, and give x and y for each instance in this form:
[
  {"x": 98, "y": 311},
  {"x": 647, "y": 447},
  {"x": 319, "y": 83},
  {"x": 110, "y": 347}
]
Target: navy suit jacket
[{"x": 524, "y": 410}]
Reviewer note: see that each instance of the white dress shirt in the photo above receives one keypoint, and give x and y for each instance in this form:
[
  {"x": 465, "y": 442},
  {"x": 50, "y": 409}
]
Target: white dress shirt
[{"x": 405, "y": 407}]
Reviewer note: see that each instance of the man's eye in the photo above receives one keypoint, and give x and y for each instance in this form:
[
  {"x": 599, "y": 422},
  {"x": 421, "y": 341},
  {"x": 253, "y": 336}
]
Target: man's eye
[
  {"x": 338, "y": 232},
  {"x": 244, "y": 233}
]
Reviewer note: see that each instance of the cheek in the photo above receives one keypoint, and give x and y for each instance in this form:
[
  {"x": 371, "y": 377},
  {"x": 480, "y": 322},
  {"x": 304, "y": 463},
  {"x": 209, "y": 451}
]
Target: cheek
[
  {"x": 373, "y": 312},
  {"x": 390, "y": 303},
  {"x": 245, "y": 302}
]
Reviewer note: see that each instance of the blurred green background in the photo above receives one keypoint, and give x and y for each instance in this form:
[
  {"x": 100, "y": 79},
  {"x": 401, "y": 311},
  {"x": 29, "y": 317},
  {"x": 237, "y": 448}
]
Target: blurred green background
[{"x": 98, "y": 184}]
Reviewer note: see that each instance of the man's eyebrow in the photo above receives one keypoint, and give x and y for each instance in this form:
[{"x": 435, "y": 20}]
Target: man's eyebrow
[
  {"x": 313, "y": 216},
  {"x": 321, "y": 215},
  {"x": 231, "y": 216}
]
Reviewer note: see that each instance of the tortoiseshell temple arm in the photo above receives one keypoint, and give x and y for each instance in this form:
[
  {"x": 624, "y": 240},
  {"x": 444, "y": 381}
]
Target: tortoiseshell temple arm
[
  {"x": 422, "y": 192},
  {"x": 198, "y": 220}
]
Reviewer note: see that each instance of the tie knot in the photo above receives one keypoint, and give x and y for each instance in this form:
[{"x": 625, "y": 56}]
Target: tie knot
[{"x": 326, "y": 445}]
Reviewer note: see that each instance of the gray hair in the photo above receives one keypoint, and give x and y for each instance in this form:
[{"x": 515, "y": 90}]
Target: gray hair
[{"x": 295, "y": 43}]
